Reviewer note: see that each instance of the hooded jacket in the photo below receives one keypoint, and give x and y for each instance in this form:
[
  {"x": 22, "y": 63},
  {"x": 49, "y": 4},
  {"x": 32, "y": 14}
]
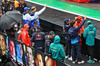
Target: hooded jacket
[
  {"x": 89, "y": 34},
  {"x": 25, "y": 37},
  {"x": 57, "y": 50}
]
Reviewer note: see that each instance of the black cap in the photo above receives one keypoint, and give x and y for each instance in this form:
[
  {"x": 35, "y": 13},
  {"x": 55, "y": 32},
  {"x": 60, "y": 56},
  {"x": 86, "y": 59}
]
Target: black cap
[{"x": 51, "y": 33}]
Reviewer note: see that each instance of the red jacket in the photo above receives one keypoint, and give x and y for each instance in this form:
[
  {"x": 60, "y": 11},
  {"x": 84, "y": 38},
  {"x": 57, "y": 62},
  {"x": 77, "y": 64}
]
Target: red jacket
[{"x": 25, "y": 37}]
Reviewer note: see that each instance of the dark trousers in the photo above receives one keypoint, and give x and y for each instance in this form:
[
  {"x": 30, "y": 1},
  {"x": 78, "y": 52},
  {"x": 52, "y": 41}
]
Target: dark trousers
[
  {"x": 76, "y": 51},
  {"x": 90, "y": 51},
  {"x": 68, "y": 48}
]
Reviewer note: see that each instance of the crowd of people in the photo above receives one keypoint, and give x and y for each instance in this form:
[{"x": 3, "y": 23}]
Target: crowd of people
[{"x": 32, "y": 34}]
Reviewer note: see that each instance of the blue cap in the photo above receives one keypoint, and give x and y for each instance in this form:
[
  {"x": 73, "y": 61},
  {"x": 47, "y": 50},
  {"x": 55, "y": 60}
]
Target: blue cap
[
  {"x": 26, "y": 8},
  {"x": 38, "y": 27},
  {"x": 66, "y": 20},
  {"x": 89, "y": 22}
]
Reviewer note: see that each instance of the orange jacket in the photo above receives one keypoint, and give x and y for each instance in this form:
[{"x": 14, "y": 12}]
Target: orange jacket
[
  {"x": 81, "y": 29},
  {"x": 25, "y": 37}
]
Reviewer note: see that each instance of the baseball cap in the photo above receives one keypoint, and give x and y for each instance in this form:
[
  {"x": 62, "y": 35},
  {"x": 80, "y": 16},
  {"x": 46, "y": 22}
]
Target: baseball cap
[
  {"x": 89, "y": 22},
  {"x": 38, "y": 27},
  {"x": 26, "y": 26},
  {"x": 79, "y": 17},
  {"x": 66, "y": 20},
  {"x": 26, "y": 8},
  {"x": 51, "y": 33}
]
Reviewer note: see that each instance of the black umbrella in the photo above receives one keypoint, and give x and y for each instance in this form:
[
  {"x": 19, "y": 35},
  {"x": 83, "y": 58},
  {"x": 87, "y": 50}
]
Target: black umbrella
[{"x": 9, "y": 19}]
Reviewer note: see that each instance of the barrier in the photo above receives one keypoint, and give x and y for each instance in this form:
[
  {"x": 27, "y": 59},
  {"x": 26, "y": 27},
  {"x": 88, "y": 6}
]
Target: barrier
[{"x": 25, "y": 55}]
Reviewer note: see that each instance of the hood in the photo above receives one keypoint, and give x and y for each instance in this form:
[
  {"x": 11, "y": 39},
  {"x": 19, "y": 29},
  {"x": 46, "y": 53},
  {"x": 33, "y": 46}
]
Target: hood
[
  {"x": 56, "y": 40},
  {"x": 22, "y": 29},
  {"x": 91, "y": 27}
]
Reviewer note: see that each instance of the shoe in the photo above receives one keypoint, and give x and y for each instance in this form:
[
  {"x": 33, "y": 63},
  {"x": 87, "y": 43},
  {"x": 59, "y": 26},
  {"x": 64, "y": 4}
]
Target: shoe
[
  {"x": 91, "y": 61},
  {"x": 74, "y": 62},
  {"x": 70, "y": 58},
  {"x": 81, "y": 62},
  {"x": 66, "y": 57}
]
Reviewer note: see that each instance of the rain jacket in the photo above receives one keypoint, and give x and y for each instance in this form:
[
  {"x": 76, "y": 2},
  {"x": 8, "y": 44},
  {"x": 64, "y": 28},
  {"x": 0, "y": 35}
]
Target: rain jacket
[
  {"x": 89, "y": 34},
  {"x": 25, "y": 37},
  {"x": 57, "y": 50}
]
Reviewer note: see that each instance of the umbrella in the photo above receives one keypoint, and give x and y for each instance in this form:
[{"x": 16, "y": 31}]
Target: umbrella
[{"x": 9, "y": 19}]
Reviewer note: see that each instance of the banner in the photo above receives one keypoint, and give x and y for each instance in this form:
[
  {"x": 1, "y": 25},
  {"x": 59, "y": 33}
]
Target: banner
[{"x": 25, "y": 55}]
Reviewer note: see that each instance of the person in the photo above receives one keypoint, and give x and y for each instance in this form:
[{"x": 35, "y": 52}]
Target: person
[
  {"x": 19, "y": 53},
  {"x": 36, "y": 14},
  {"x": 81, "y": 30},
  {"x": 11, "y": 50},
  {"x": 26, "y": 16},
  {"x": 26, "y": 10},
  {"x": 56, "y": 50},
  {"x": 48, "y": 40},
  {"x": 67, "y": 38},
  {"x": 22, "y": 5},
  {"x": 2, "y": 44},
  {"x": 75, "y": 41},
  {"x": 15, "y": 5},
  {"x": 90, "y": 34},
  {"x": 5, "y": 5},
  {"x": 30, "y": 57},
  {"x": 24, "y": 35},
  {"x": 33, "y": 29},
  {"x": 39, "y": 60},
  {"x": 39, "y": 39}
]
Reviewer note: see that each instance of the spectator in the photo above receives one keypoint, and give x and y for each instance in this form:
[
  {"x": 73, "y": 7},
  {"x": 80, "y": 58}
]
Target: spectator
[
  {"x": 36, "y": 14},
  {"x": 24, "y": 35},
  {"x": 81, "y": 30},
  {"x": 26, "y": 10},
  {"x": 39, "y": 39},
  {"x": 67, "y": 38},
  {"x": 33, "y": 29},
  {"x": 89, "y": 34},
  {"x": 6, "y": 5},
  {"x": 15, "y": 5},
  {"x": 57, "y": 50},
  {"x": 75, "y": 41},
  {"x": 48, "y": 40},
  {"x": 26, "y": 16},
  {"x": 22, "y": 5}
]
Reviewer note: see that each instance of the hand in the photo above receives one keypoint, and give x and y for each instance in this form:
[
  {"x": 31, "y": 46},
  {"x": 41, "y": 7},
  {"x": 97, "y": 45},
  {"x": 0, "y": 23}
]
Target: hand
[
  {"x": 3, "y": 8},
  {"x": 33, "y": 44},
  {"x": 85, "y": 17},
  {"x": 45, "y": 5},
  {"x": 75, "y": 18}
]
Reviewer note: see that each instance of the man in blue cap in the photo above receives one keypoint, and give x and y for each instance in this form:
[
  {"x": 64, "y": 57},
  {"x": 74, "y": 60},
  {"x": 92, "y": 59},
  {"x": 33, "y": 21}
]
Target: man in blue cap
[
  {"x": 26, "y": 10},
  {"x": 26, "y": 16},
  {"x": 39, "y": 39},
  {"x": 90, "y": 34},
  {"x": 67, "y": 37}
]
